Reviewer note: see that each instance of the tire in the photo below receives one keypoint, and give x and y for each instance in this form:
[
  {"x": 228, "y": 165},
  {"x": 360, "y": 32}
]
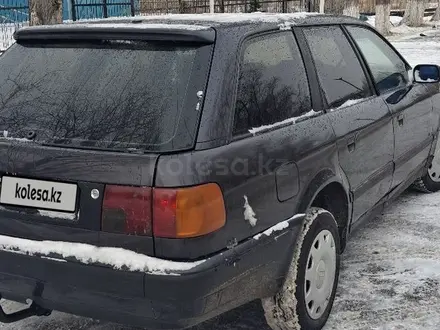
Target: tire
[
  {"x": 425, "y": 185},
  {"x": 288, "y": 310},
  {"x": 430, "y": 182}
]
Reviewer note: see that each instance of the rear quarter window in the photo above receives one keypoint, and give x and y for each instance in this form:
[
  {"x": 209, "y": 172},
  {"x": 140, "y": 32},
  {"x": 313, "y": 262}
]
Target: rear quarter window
[{"x": 272, "y": 83}]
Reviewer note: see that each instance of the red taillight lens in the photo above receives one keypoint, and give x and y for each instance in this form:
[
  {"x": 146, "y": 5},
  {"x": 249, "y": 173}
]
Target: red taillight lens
[
  {"x": 188, "y": 212},
  {"x": 127, "y": 210},
  {"x": 164, "y": 212}
]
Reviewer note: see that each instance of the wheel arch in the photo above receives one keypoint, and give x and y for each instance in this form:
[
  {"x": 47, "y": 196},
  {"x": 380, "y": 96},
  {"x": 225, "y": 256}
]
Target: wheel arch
[{"x": 328, "y": 191}]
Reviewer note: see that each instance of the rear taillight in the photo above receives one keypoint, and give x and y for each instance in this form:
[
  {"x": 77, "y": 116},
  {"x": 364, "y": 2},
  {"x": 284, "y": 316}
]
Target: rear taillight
[
  {"x": 127, "y": 210},
  {"x": 163, "y": 212},
  {"x": 188, "y": 212}
]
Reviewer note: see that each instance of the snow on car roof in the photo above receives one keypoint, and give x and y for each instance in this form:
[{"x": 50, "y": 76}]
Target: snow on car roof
[
  {"x": 197, "y": 20},
  {"x": 200, "y": 22},
  {"x": 223, "y": 17}
]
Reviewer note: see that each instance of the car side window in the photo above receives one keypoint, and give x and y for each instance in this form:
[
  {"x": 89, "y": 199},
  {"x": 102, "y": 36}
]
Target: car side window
[
  {"x": 388, "y": 69},
  {"x": 272, "y": 83},
  {"x": 339, "y": 70}
]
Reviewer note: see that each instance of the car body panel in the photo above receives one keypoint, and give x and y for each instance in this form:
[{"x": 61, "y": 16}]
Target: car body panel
[
  {"x": 247, "y": 272},
  {"x": 366, "y": 146},
  {"x": 414, "y": 125},
  {"x": 89, "y": 170},
  {"x": 246, "y": 167}
]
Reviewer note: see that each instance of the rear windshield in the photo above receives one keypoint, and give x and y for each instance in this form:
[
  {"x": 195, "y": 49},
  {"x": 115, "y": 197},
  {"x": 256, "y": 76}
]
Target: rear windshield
[{"x": 116, "y": 95}]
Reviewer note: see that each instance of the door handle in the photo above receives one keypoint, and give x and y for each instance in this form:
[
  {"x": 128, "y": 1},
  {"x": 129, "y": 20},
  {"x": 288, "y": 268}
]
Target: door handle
[
  {"x": 400, "y": 120},
  {"x": 351, "y": 143}
]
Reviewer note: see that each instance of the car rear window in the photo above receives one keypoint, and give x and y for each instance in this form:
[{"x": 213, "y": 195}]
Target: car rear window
[{"x": 116, "y": 95}]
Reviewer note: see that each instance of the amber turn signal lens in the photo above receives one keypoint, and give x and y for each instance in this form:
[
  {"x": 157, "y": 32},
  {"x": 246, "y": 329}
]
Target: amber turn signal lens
[{"x": 188, "y": 212}]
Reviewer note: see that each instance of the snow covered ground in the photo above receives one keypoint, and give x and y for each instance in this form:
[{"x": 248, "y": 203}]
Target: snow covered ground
[
  {"x": 420, "y": 50},
  {"x": 391, "y": 270},
  {"x": 403, "y": 31},
  {"x": 390, "y": 277}
]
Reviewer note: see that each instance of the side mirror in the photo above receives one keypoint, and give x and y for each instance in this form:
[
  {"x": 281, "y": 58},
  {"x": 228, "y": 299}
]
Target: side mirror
[{"x": 426, "y": 73}]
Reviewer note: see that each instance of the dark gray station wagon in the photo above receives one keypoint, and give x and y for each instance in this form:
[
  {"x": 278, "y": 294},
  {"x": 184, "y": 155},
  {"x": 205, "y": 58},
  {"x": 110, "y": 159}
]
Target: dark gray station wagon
[{"x": 161, "y": 171}]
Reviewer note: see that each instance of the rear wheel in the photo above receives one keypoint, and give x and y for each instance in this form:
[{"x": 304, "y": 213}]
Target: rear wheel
[
  {"x": 430, "y": 182},
  {"x": 306, "y": 298}
]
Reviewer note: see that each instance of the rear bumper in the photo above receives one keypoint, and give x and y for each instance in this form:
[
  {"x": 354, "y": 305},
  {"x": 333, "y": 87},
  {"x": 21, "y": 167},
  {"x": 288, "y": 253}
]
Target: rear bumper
[{"x": 252, "y": 270}]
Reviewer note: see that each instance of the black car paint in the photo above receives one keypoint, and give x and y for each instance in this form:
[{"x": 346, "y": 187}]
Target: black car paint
[
  {"x": 327, "y": 137},
  {"x": 366, "y": 140},
  {"x": 204, "y": 36},
  {"x": 293, "y": 143},
  {"x": 414, "y": 127},
  {"x": 90, "y": 170},
  {"x": 256, "y": 267},
  {"x": 311, "y": 155}
]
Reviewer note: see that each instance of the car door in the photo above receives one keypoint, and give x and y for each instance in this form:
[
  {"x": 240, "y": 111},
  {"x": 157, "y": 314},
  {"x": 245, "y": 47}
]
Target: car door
[
  {"x": 361, "y": 120},
  {"x": 410, "y": 104}
]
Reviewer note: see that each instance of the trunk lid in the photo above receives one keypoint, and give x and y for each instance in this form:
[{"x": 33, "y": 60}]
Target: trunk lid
[{"x": 80, "y": 175}]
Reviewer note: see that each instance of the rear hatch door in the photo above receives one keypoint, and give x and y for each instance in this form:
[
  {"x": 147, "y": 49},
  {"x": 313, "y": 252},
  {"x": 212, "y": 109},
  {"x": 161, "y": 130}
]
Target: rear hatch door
[{"x": 79, "y": 114}]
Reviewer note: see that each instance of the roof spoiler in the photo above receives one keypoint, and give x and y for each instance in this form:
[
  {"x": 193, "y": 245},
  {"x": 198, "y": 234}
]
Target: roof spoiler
[{"x": 84, "y": 32}]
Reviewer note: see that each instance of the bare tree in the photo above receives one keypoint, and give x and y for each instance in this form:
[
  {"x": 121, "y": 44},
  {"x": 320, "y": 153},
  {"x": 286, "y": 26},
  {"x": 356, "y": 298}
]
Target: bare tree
[
  {"x": 254, "y": 6},
  {"x": 342, "y": 7},
  {"x": 351, "y": 8},
  {"x": 334, "y": 7},
  {"x": 383, "y": 24},
  {"x": 46, "y": 12},
  {"x": 183, "y": 7},
  {"x": 436, "y": 16},
  {"x": 221, "y": 5},
  {"x": 414, "y": 13},
  {"x": 321, "y": 7}
]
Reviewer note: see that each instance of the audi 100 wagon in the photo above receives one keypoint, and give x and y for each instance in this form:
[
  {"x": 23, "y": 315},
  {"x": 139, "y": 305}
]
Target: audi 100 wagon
[{"x": 161, "y": 171}]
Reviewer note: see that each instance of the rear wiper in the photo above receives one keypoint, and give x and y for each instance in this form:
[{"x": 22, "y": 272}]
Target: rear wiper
[{"x": 79, "y": 147}]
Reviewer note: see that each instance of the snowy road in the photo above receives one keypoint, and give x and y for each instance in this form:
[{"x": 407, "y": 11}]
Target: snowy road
[{"x": 390, "y": 276}]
